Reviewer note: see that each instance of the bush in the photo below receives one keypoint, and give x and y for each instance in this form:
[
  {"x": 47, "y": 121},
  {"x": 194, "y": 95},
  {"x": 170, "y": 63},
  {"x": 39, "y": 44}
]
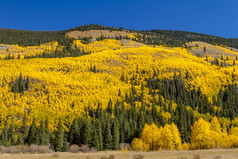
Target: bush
[
  {"x": 92, "y": 149},
  {"x": 74, "y": 148},
  {"x": 33, "y": 149},
  {"x": 25, "y": 148},
  {"x": 84, "y": 148},
  {"x": 2, "y": 149},
  {"x": 39, "y": 149},
  {"x": 44, "y": 149},
  {"x": 13, "y": 150}
]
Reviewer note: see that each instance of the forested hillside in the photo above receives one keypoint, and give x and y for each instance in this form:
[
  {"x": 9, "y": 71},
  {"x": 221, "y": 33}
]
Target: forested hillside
[
  {"x": 62, "y": 91},
  {"x": 152, "y": 37}
]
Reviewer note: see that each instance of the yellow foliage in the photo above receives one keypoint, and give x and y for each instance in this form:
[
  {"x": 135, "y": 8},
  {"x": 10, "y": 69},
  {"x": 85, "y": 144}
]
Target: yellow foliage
[
  {"x": 63, "y": 87},
  {"x": 154, "y": 138}
]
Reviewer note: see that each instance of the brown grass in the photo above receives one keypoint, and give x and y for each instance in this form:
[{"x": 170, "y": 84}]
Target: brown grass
[
  {"x": 97, "y": 33},
  {"x": 196, "y": 154}
]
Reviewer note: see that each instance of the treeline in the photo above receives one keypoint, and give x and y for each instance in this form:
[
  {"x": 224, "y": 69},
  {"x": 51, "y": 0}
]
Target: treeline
[
  {"x": 152, "y": 37},
  {"x": 32, "y": 38},
  {"x": 180, "y": 38},
  {"x": 96, "y": 27}
]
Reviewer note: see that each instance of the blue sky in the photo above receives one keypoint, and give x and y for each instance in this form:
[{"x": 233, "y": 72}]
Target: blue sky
[{"x": 215, "y": 17}]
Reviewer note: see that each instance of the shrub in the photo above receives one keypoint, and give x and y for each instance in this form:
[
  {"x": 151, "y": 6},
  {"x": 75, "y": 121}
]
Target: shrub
[
  {"x": 92, "y": 149},
  {"x": 2, "y": 149},
  {"x": 84, "y": 148},
  {"x": 33, "y": 149},
  {"x": 13, "y": 150},
  {"x": 25, "y": 148},
  {"x": 44, "y": 149},
  {"x": 74, "y": 148}
]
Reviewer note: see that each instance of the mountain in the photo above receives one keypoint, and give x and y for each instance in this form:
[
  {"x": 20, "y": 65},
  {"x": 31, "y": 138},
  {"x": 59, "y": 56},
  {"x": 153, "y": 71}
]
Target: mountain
[{"x": 101, "y": 86}]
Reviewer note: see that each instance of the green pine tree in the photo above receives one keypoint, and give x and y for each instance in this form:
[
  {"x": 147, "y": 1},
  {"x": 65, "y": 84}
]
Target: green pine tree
[
  {"x": 20, "y": 140},
  {"x": 85, "y": 134},
  {"x": 65, "y": 147},
  {"x": 59, "y": 136},
  {"x": 108, "y": 137},
  {"x": 32, "y": 134},
  {"x": 100, "y": 137},
  {"x": 74, "y": 133},
  {"x": 42, "y": 134},
  {"x": 115, "y": 135},
  {"x": 47, "y": 132},
  {"x": 11, "y": 134},
  {"x": 4, "y": 139},
  {"x": 95, "y": 139}
]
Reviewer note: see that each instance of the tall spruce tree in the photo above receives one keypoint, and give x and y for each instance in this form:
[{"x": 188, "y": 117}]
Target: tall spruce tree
[
  {"x": 42, "y": 134},
  {"x": 74, "y": 132},
  {"x": 11, "y": 135},
  {"x": 65, "y": 147},
  {"x": 115, "y": 135},
  {"x": 20, "y": 140},
  {"x": 108, "y": 137},
  {"x": 59, "y": 137},
  {"x": 85, "y": 133},
  {"x": 95, "y": 139},
  {"x": 32, "y": 134},
  {"x": 100, "y": 137},
  {"x": 4, "y": 136}
]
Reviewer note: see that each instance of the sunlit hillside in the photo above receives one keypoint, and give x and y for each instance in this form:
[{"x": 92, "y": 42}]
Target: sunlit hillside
[
  {"x": 64, "y": 87},
  {"x": 95, "y": 91}
]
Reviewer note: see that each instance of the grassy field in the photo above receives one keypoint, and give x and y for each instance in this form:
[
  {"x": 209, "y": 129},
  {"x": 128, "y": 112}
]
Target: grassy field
[{"x": 196, "y": 154}]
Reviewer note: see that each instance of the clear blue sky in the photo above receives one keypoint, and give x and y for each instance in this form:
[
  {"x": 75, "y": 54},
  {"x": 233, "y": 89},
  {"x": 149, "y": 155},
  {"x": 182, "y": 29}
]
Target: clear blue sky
[{"x": 215, "y": 17}]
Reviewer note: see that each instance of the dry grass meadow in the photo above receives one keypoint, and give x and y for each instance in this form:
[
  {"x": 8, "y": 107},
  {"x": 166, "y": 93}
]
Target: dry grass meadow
[{"x": 196, "y": 154}]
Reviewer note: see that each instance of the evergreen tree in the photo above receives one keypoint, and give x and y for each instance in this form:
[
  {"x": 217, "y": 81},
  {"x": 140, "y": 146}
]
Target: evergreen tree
[
  {"x": 115, "y": 135},
  {"x": 47, "y": 132},
  {"x": 20, "y": 139},
  {"x": 108, "y": 137},
  {"x": 100, "y": 137},
  {"x": 11, "y": 135},
  {"x": 95, "y": 139},
  {"x": 74, "y": 132},
  {"x": 65, "y": 147},
  {"x": 59, "y": 136},
  {"x": 85, "y": 134},
  {"x": 32, "y": 134},
  {"x": 4, "y": 136},
  {"x": 42, "y": 134}
]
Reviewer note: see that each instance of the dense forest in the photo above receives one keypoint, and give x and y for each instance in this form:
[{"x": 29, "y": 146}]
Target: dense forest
[{"x": 105, "y": 129}]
